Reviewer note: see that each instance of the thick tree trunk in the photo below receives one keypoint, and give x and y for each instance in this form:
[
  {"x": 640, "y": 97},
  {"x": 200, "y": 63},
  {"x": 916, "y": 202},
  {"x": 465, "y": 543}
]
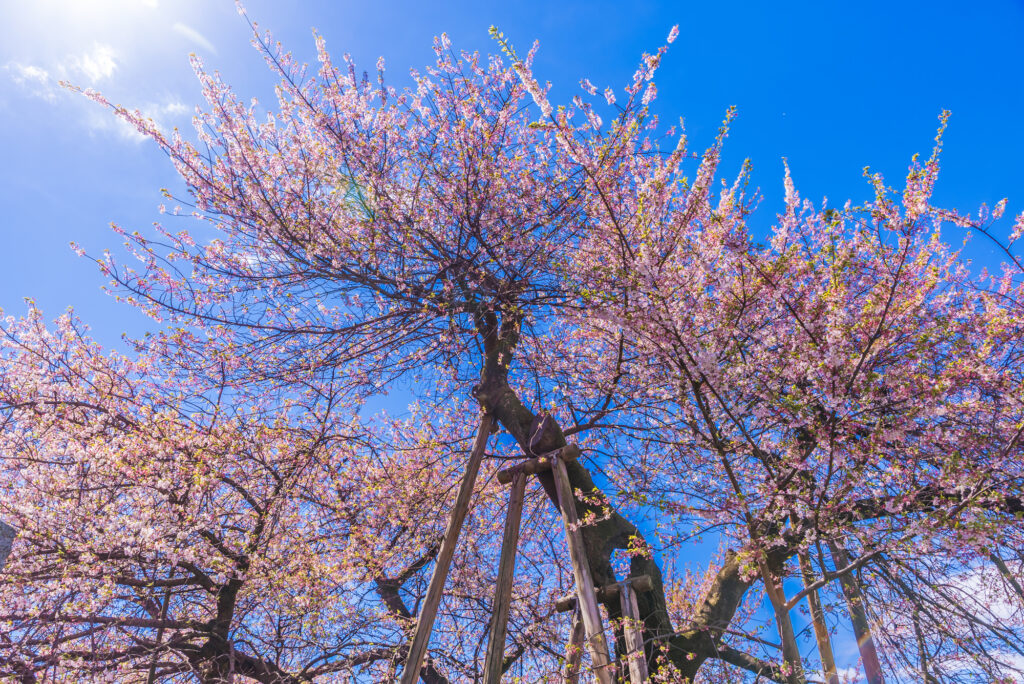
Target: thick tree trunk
[
  {"x": 687, "y": 649},
  {"x": 600, "y": 539}
]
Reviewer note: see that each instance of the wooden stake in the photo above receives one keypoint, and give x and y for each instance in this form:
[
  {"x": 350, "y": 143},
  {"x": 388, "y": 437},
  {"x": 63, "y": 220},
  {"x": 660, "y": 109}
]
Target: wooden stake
[
  {"x": 7, "y": 534},
  {"x": 632, "y": 629},
  {"x": 503, "y": 589},
  {"x": 828, "y": 661},
  {"x": 858, "y": 616},
  {"x": 589, "y": 610},
  {"x": 790, "y": 649},
  {"x": 574, "y": 650},
  {"x": 425, "y": 621}
]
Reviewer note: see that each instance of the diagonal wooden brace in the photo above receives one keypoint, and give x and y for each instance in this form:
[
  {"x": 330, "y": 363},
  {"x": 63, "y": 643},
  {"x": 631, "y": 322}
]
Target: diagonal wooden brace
[
  {"x": 425, "y": 621},
  {"x": 632, "y": 630},
  {"x": 574, "y": 650},
  {"x": 589, "y": 611},
  {"x": 503, "y": 589}
]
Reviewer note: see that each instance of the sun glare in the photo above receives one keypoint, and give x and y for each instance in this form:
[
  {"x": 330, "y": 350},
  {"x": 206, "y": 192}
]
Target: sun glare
[{"x": 50, "y": 28}]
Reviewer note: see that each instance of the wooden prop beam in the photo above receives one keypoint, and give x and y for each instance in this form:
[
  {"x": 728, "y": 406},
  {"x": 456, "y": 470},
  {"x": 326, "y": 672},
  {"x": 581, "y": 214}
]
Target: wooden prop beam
[
  {"x": 7, "y": 534},
  {"x": 608, "y": 592},
  {"x": 821, "y": 633},
  {"x": 574, "y": 650},
  {"x": 539, "y": 464},
  {"x": 858, "y": 616},
  {"x": 591, "y": 614},
  {"x": 425, "y": 621},
  {"x": 632, "y": 629},
  {"x": 503, "y": 589}
]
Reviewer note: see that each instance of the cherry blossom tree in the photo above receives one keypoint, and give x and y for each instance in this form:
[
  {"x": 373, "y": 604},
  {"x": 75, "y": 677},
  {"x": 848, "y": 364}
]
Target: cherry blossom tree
[
  {"x": 171, "y": 529},
  {"x": 838, "y": 401}
]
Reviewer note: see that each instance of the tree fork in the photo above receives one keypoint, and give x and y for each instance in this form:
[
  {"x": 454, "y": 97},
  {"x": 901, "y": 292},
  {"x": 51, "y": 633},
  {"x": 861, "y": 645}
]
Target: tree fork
[
  {"x": 687, "y": 650},
  {"x": 601, "y": 538}
]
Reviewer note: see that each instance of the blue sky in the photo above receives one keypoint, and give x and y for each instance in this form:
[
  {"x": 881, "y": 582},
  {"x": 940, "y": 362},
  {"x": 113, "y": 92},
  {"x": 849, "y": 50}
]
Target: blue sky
[{"x": 832, "y": 86}]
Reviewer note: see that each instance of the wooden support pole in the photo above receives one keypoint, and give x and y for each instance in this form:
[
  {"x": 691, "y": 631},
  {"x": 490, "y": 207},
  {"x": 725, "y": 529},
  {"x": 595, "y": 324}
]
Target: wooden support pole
[
  {"x": 790, "y": 648},
  {"x": 591, "y": 614},
  {"x": 608, "y": 592},
  {"x": 632, "y": 629},
  {"x": 425, "y": 621},
  {"x": 7, "y": 535},
  {"x": 536, "y": 465},
  {"x": 574, "y": 650},
  {"x": 858, "y": 616},
  {"x": 828, "y": 661},
  {"x": 503, "y": 589}
]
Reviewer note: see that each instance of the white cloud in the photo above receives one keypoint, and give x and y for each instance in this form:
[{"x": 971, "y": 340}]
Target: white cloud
[
  {"x": 26, "y": 73},
  {"x": 168, "y": 110},
  {"x": 34, "y": 80},
  {"x": 985, "y": 586},
  {"x": 104, "y": 121},
  {"x": 175, "y": 108},
  {"x": 847, "y": 675},
  {"x": 100, "y": 66},
  {"x": 1012, "y": 665},
  {"x": 95, "y": 65},
  {"x": 193, "y": 35}
]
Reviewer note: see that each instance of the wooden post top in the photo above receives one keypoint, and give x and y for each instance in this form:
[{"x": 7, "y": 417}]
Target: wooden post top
[
  {"x": 539, "y": 464},
  {"x": 607, "y": 592}
]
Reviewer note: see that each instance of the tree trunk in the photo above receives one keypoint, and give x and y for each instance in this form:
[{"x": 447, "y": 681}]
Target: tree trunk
[{"x": 688, "y": 649}]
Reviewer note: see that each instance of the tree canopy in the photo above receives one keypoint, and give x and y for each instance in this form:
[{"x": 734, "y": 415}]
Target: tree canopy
[{"x": 838, "y": 400}]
